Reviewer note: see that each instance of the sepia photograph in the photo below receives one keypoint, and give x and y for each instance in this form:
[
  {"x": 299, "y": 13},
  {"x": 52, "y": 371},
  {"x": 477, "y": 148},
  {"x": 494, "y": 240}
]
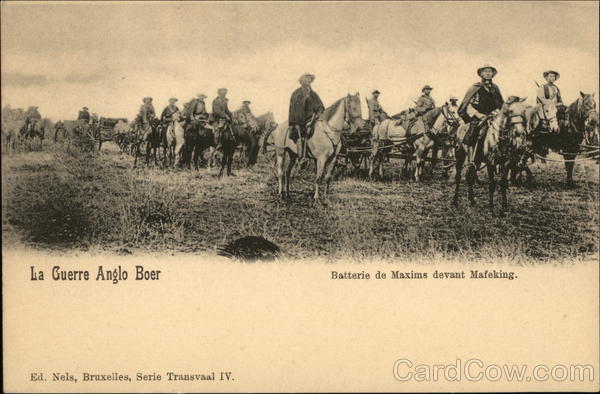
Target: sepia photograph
[{"x": 194, "y": 191}]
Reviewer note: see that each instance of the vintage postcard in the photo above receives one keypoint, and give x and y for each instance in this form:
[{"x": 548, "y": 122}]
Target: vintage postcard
[{"x": 319, "y": 196}]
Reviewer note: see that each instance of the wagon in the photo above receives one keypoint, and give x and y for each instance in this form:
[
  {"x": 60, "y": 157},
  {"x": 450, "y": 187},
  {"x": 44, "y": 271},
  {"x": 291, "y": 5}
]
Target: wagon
[{"x": 357, "y": 149}]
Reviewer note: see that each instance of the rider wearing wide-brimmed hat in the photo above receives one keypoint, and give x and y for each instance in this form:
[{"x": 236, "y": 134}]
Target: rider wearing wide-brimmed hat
[
  {"x": 376, "y": 112},
  {"x": 425, "y": 102},
  {"x": 481, "y": 100},
  {"x": 166, "y": 116},
  {"x": 221, "y": 114},
  {"x": 305, "y": 107},
  {"x": 549, "y": 91},
  {"x": 146, "y": 112},
  {"x": 84, "y": 115}
]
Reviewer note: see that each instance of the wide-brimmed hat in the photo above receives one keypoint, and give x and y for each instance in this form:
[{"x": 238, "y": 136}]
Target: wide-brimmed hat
[
  {"x": 85, "y": 108},
  {"x": 246, "y": 102},
  {"x": 375, "y": 92},
  {"x": 307, "y": 76},
  {"x": 147, "y": 99},
  {"x": 426, "y": 87},
  {"x": 173, "y": 100},
  {"x": 222, "y": 90},
  {"x": 453, "y": 98},
  {"x": 480, "y": 69},
  {"x": 201, "y": 96},
  {"x": 552, "y": 72}
]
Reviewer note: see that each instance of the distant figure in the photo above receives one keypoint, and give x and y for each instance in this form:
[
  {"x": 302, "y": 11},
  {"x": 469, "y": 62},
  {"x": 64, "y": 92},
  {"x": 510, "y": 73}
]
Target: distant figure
[
  {"x": 32, "y": 116},
  {"x": 376, "y": 112},
  {"x": 58, "y": 128},
  {"x": 305, "y": 108},
  {"x": 222, "y": 115},
  {"x": 84, "y": 115},
  {"x": 425, "y": 102},
  {"x": 167, "y": 114},
  {"x": 146, "y": 113}
]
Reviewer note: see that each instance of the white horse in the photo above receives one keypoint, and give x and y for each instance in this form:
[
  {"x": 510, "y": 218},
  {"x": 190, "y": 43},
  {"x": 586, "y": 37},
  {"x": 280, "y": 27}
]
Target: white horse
[
  {"x": 323, "y": 146},
  {"x": 174, "y": 139}
]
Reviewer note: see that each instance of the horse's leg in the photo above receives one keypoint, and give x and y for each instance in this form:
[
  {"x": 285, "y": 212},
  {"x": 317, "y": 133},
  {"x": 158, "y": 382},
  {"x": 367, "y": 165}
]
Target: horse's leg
[
  {"x": 319, "y": 176},
  {"x": 569, "y": 165},
  {"x": 504, "y": 188},
  {"x": 471, "y": 177},
  {"x": 492, "y": 184},
  {"x": 279, "y": 169},
  {"x": 460, "y": 160},
  {"x": 330, "y": 167},
  {"x": 288, "y": 171},
  {"x": 223, "y": 162},
  {"x": 434, "y": 155},
  {"x": 374, "y": 152},
  {"x": 230, "y": 160}
]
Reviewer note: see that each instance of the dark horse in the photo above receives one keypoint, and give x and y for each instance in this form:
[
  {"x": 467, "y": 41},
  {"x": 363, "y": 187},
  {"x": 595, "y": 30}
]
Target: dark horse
[
  {"x": 501, "y": 149},
  {"x": 578, "y": 125},
  {"x": 199, "y": 136},
  {"x": 229, "y": 141},
  {"x": 150, "y": 135}
]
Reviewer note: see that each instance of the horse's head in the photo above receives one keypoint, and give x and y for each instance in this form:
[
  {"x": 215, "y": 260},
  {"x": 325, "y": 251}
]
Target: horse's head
[
  {"x": 547, "y": 112},
  {"x": 353, "y": 110},
  {"x": 514, "y": 118},
  {"x": 588, "y": 107}
]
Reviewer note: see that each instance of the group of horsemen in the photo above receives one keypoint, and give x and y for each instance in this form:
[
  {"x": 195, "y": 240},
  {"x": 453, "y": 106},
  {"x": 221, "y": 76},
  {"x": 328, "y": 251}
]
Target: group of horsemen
[{"x": 482, "y": 100}]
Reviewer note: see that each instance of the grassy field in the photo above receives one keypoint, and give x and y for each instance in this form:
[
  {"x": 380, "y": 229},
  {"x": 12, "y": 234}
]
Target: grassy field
[{"x": 52, "y": 199}]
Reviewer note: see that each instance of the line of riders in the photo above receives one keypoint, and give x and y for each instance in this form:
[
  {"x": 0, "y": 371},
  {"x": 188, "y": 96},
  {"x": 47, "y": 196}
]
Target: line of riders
[
  {"x": 219, "y": 126},
  {"x": 482, "y": 102}
]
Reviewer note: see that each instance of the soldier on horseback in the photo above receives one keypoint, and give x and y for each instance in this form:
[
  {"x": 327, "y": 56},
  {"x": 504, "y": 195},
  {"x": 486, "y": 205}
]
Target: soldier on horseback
[
  {"x": 549, "y": 91},
  {"x": 481, "y": 100},
  {"x": 425, "y": 102},
  {"x": 376, "y": 112},
  {"x": 84, "y": 115},
  {"x": 222, "y": 115},
  {"x": 32, "y": 116},
  {"x": 246, "y": 119},
  {"x": 305, "y": 108},
  {"x": 166, "y": 116}
]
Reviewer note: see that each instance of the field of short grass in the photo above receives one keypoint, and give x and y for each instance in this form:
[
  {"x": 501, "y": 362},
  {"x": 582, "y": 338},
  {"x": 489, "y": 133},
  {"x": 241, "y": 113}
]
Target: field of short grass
[{"x": 54, "y": 199}]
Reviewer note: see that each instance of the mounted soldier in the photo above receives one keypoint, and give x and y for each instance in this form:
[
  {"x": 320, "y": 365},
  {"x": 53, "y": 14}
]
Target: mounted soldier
[
  {"x": 32, "y": 116},
  {"x": 84, "y": 115},
  {"x": 246, "y": 118},
  {"x": 376, "y": 112},
  {"x": 145, "y": 114},
  {"x": 166, "y": 116},
  {"x": 221, "y": 114},
  {"x": 59, "y": 127},
  {"x": 305, "y": 108},
  {"x": 549, "y": 91},
  {"x": 425, "y": 102},
  {"x": 481, "y": 100}
]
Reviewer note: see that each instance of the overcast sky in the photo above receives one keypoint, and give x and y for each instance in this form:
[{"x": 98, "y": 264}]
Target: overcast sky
[{"x": 108, "y": 56}]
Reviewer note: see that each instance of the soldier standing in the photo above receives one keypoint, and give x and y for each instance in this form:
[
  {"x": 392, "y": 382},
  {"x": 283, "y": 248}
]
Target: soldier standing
[
  {"x": 425, "y": 102},
  {"x": 376, "y": 112},
  {"x": 305, "y": 107},
  {"x": 481, "y": 100}
]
